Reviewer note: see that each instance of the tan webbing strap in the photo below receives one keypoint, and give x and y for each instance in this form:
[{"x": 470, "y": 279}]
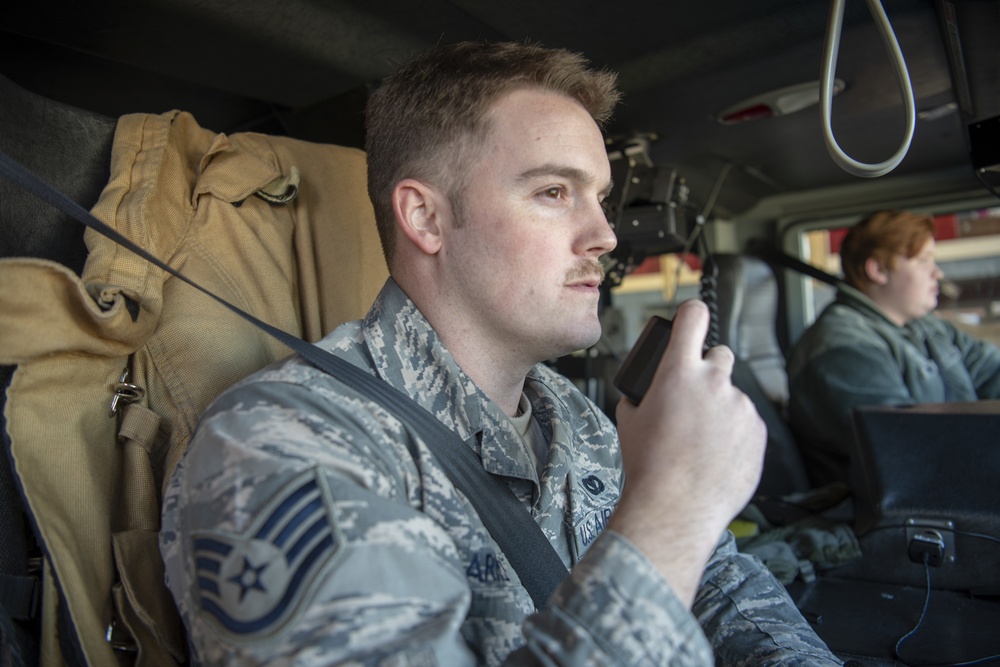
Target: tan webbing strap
[
  {"x": 147, "y": 611},
  {"x": 138, "y": 507}
]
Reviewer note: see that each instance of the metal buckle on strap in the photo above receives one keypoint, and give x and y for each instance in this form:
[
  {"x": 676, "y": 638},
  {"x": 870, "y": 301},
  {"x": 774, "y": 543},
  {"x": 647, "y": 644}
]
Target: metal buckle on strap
[
  {"x": 120, "y": 639},
  {"x": 125, "y": 393}
]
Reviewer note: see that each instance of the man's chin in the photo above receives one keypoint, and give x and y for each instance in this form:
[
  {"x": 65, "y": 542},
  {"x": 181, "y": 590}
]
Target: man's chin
[
  {"x": 575, "y": 342},
  {"x": 585, "y": 341}
]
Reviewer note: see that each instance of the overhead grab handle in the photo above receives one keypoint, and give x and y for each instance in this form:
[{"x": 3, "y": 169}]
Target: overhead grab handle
[{"x": 830, "y": 50}]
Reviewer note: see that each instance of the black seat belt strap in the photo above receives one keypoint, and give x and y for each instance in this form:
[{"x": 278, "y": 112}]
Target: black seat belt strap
[
  {"x": 510, "y": 524},
  {"x": 787, "y": 261},
  {"x": 19, "y": 596}
]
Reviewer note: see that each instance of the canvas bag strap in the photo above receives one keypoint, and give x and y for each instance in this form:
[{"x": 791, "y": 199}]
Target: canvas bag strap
[{"x": 521, "y": 539}]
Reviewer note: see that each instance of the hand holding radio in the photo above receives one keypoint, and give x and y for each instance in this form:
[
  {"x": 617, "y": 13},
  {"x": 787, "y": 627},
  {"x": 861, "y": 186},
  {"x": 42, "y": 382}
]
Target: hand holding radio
[
  {"x": 692, "y": 445},
  {"x": 637, "y": 370}
]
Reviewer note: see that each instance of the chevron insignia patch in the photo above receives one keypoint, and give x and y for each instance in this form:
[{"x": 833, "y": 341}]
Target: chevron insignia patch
[{"x": 253, "y": 584}]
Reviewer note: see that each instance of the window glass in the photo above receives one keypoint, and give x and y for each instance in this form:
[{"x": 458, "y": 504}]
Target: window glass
[
  {"x": 968, "y": 252},
  {"x": 655, "y": 287}
]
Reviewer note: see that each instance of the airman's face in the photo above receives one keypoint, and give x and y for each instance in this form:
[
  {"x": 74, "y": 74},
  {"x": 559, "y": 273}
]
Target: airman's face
[{"x": 524, "y": 257}]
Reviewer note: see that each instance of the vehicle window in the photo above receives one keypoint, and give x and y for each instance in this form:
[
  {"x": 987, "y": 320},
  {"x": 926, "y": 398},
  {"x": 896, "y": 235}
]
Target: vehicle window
[
  {"x": 968, "y": 252},
  {"x": 655, "y": 287}
]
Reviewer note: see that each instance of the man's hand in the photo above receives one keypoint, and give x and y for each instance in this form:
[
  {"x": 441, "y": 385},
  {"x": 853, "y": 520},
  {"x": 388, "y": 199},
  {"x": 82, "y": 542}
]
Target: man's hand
[{"x": 693, "y": 452}]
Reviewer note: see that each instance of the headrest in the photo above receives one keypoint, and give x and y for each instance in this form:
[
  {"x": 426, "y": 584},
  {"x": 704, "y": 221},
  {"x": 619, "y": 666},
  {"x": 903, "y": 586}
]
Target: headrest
[
  {"x": 748, "y": 306},
  {"x": 68, "y": 147}
]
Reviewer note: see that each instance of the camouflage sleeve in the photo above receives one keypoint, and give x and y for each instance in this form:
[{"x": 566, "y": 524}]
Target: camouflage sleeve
[
  {"x": 616, "y": 609},
  {"x": 292, "y": 538},
  {"x": 750, "y": 619},
  {"x": 287, "y": 540}
]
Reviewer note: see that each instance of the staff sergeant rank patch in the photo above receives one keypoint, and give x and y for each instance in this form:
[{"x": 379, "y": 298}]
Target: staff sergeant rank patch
[{"x": 252, "y": 584}]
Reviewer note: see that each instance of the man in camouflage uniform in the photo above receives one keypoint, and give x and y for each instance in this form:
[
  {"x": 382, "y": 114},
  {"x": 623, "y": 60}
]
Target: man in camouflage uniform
[{"x": 308, "y": 525}]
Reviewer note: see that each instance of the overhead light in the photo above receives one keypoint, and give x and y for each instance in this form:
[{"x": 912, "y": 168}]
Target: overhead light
[
  {"x": 938, "y": 112},
  {"x": 779, "y": 102}
]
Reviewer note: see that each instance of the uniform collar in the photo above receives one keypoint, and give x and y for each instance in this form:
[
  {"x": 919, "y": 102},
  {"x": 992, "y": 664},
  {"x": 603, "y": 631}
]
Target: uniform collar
[
  {"x": 913, "y": 330},
  {"x": 408, "y": 353},
  {"x": 860, "y": 301}
]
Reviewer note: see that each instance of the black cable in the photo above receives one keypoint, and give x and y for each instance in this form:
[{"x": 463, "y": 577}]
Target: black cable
[
  {"x": 710, "y": 293},
  {"x": 710, "y": 296},
  {"x": 964, "y": 533},
  {"x": 981, "y": 536},
  {"x": 897, "y": 652},
  {"x": 923, "y": 613}
]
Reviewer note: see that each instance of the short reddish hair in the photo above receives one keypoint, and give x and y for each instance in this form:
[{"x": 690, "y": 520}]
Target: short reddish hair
[
  {"x": 883, "y": 236},
  {"x": 429, "y": 118}
]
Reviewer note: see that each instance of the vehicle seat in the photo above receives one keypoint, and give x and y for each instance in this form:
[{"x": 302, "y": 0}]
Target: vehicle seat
[
  {"x": 336, "y": 273},
  {"x": 71, "y": 148},
  {"x": 748, "y": 306}
]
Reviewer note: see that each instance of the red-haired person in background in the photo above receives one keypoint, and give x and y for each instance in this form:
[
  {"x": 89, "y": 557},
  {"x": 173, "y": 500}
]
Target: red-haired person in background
[{"x": 879, "y": 344}]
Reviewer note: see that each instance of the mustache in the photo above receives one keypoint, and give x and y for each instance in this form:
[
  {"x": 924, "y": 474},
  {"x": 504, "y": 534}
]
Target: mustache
[{"x": 587, "y": 269}]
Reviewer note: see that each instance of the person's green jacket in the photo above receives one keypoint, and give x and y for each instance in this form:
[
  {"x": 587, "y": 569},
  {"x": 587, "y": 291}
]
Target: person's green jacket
[{"x": 853, "y": 355}]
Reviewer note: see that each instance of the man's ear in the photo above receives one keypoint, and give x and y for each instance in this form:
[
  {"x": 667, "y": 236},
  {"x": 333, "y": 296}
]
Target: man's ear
[
  {"x": 419, "y": 209},
  {"x": 875, "y": 271}
]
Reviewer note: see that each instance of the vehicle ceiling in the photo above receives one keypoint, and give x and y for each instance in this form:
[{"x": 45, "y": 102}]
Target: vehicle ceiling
[{"x": 304, "y": 67}]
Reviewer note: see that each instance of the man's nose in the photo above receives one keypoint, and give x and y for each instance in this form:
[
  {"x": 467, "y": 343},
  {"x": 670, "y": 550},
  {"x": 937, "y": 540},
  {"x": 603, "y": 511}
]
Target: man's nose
[{"x": 601, "y": 237}]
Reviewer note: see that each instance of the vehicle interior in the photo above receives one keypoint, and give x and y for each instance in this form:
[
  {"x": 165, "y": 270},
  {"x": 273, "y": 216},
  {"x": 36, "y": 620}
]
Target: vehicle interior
[{"x": 750, "y": 137}]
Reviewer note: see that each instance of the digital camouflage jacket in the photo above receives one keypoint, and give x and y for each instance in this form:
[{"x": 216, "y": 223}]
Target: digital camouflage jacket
[{"x": 300, "y": 529}]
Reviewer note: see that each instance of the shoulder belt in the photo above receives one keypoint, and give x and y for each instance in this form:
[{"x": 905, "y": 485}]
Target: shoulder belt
[{"x": 530, "y": 553}]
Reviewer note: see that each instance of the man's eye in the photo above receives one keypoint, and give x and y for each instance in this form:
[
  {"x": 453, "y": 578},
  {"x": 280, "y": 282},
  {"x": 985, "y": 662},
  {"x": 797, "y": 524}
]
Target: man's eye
[{"x": 553, "y": 193}]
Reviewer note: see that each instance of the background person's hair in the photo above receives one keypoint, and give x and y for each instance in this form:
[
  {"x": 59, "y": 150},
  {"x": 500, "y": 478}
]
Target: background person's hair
[
  {"x": 884, "y": 236},
  {"x": 430, "y": 118}
]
